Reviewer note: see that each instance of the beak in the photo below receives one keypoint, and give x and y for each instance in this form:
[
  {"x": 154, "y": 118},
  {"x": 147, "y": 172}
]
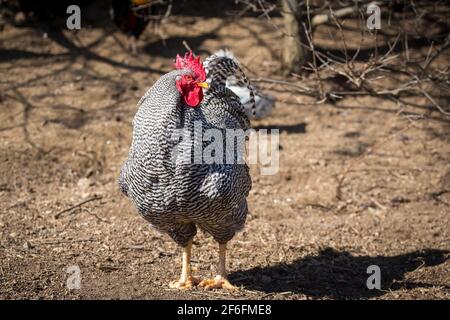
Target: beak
[{"x": 203, "y": 85}]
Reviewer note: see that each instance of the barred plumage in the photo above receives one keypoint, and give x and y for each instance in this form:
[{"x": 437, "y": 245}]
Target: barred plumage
[
  {"x": 176, "y": 197},
  {"x": 257, "y": 104},
  {"x": 221, "y": 68}
]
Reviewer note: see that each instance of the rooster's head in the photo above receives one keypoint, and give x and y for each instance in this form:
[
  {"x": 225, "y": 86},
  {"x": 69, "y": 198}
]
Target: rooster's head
[{"x": 190, "y": 85}]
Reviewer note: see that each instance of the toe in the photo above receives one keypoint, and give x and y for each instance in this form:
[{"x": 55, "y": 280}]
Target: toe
[
  {"x": 174, "y": 284},
  {"x": 217, "y": 283},
  {"x": 227, "y": 285},
  {"x": 183, "y": 285},
  {"x": 206, "y": 283}
]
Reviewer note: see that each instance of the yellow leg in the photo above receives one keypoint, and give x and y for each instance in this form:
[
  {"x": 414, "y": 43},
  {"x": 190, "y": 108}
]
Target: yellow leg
[
  {"x": 220, "y": 281},
  {"x": 187, "y": 281}
]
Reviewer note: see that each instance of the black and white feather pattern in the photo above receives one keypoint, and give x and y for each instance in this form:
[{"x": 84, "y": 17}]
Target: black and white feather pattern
[
  {"x": 176, "y": 197},
  {"x": 257, "y": 103}
]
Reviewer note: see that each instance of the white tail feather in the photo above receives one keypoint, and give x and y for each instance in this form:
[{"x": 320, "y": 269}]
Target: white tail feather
[{"x": 264, "y": 103}]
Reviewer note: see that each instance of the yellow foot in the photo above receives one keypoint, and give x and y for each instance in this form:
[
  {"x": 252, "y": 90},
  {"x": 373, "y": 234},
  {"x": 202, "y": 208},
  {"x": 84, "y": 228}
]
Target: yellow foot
[
  {"x": 218, "y": 282},
  {"x": 183, "y": 285}
]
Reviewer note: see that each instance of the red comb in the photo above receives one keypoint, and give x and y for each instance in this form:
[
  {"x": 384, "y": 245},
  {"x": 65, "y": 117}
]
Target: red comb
[{"x": 193, "y": 63}]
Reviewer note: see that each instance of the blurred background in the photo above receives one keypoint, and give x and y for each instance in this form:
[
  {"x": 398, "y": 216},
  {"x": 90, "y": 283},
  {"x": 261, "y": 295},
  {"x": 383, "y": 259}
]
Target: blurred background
[{"x": 364, "y": 120}]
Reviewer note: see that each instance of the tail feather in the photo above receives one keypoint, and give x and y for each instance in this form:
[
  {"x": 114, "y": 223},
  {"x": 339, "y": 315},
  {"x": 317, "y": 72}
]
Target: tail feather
[{"x": 257, "y": 104}]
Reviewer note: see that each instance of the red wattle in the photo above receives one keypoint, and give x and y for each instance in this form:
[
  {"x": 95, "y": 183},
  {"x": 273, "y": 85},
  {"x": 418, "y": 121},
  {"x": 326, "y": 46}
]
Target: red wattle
[{"x": 193, "y": 97}]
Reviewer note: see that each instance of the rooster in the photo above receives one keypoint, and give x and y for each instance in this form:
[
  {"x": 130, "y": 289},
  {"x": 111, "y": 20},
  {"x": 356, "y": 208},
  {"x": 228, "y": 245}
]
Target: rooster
[
  {"x": 131, "y": 17},
  {"x": 176, "y": 196}
]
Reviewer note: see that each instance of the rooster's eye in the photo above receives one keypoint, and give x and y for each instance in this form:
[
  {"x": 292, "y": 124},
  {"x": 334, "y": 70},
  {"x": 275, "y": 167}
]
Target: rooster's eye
[{"x": 188, "y": 78}]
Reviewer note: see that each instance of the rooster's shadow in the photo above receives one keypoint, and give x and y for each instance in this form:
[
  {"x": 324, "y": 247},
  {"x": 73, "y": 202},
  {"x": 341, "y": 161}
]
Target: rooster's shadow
[{"x": 339, "y": 274}]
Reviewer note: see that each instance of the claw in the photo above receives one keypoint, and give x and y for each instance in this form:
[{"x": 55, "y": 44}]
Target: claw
[
  {"x": 184, "y": 285},
  {"x": 217, "y": 283}
]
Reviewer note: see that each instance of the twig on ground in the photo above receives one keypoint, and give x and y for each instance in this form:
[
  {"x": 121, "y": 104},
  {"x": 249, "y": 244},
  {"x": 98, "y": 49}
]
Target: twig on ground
[
  {"x": 94, "y": 198},
  {"x": 46, "y": 241}
]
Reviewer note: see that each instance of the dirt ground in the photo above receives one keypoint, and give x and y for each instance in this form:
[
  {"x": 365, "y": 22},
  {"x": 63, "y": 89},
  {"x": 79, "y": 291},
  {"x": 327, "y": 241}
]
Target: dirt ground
[{"x": 67, "y": 101}]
